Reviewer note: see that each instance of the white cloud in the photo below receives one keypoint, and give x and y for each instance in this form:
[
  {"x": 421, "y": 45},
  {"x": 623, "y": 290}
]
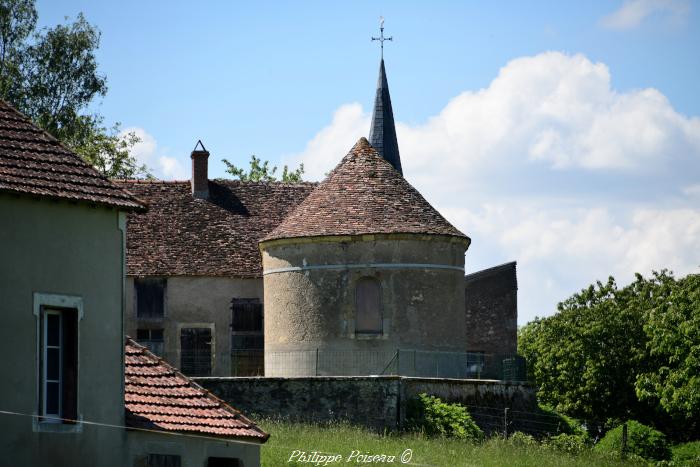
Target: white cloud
[
  {"x": 147, "y": 152},
  {"x": 559, "y": 250},
  {"x": 552, "y": 108},
  {"x": 551, "y": 166},
  {"x": 349, "y": 123},
  {"x": 633, "y": 12}
]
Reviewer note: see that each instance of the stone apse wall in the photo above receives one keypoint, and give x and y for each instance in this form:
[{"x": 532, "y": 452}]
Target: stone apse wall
[
  {"x": 377, "y": 402},
  {"x": 491, "y": 298}
]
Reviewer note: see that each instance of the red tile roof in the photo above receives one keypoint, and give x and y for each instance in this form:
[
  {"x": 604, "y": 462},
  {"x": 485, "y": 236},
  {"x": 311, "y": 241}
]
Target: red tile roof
[
  {"x": 35, "y": 163},
  {"x": 159, "y": 397},
  {"x": 183, "y": 235},
  {"x": 364, "y": 194}
]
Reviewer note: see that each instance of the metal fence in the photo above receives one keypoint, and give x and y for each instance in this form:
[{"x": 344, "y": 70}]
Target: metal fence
[{"x": 399, "y": 362}]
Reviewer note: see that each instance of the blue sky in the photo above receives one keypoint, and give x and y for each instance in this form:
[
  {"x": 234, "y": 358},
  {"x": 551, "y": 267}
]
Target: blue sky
[{"x": 564, "y": 135}]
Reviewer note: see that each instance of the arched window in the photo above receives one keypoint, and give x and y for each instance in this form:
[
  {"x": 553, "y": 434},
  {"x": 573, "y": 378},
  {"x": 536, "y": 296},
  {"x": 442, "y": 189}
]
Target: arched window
[{"x": 368, "y": 318}]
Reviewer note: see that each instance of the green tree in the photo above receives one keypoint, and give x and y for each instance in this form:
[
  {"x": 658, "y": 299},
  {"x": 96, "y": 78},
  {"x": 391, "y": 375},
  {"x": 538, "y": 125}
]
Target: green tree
[
  {"x": 262, "y": 172},
  {"x": 109, "y": 152},
  {"x": 585, "y": 358},
  {"x": 611, "y": 353},
  {"x": 672, "y": 326},
  {"x": 52, "y": 76}
]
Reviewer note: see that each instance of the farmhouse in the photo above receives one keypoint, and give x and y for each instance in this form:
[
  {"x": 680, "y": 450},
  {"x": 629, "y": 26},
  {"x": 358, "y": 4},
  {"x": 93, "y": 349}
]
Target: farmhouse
[
  {"x": 73, "y": 392},
  {"x": 350, "y": 276}
]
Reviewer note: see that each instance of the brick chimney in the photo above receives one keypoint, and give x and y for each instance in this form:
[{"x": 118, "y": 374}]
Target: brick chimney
[{"x": 200, "y": 175}]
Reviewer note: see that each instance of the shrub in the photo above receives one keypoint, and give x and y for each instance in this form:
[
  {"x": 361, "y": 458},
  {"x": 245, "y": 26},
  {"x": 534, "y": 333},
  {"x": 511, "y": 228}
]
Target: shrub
[
  {"x": 686, "y": 453},
  {"x": 432, "y": 416},
  {"x": 642, "y": 440},
  {"x": 522, "y": 440},
  {"x": 570, "y": 444},
  {"x": 564, "y": 423}
]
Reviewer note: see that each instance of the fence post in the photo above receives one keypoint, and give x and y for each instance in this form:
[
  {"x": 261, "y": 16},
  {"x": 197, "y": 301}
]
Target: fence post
[
  {"x": 624, "y": 440},
  {"x": 505, "y": 423},
  {"x": 316, "y": 369},
  {"x": 398, "y": 361}
]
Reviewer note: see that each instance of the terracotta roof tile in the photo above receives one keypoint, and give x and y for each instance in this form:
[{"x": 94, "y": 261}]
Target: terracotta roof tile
[
  {"x": 183, "y": 407},
  {"x": 182, "y": 235},
  {"x": 35, "y": 163},
  {"x": 364, "y": 194}
]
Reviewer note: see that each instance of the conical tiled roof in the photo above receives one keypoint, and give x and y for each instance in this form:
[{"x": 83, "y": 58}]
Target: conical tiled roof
[
  {"x": 364, "y": 194},
  {"x": 382, "y": 131}
]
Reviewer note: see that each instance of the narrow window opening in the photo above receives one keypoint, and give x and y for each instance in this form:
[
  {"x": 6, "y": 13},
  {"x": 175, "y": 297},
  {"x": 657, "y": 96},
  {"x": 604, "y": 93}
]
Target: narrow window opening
[
  {"x": 163, "y": 460},
  {"x": 368, "y": 319},
  {"x": 59, "y": 365},
  {"x": 247, "y": 337},
  {"x": 152, "y": 339},
  {"x": 224, "y": 462},
  {"x": 195, "y": 351},
  {"x": 150, "y": 297}
]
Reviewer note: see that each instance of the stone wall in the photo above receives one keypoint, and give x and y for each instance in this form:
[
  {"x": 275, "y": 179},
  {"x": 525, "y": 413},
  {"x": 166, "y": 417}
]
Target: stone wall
[
  {"x": 196, "y": 302},
  {"x": 377, "y": 402},
  {"x": 310, "y": 300},
  {"x": 491, "y": 298}
]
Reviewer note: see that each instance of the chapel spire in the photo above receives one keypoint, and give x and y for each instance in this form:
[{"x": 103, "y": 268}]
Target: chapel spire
[{"x": 382, "y": 132}]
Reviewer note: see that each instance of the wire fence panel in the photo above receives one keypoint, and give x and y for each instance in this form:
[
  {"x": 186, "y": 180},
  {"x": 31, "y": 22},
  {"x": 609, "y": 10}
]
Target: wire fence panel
[{"x": 399, "y": 362}]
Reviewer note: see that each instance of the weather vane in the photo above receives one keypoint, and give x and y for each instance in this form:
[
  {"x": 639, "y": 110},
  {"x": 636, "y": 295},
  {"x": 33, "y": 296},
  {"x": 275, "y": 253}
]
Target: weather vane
[{"x": 381, "y": 37}]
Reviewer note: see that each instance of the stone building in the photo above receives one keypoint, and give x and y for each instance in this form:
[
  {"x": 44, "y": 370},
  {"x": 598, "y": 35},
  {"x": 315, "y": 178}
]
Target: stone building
[
  {"x": 69, "y": 394},
  {"x": 364, "y": 263},
  {"x": 355, "y": 270}
]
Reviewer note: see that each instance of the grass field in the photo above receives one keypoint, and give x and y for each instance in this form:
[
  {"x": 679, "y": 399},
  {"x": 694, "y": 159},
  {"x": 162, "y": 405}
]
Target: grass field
[{"x": 345, "y": 440}]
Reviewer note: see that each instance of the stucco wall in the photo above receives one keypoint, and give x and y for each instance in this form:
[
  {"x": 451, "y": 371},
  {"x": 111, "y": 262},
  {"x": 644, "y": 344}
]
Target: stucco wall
[
  {"x": 375, "y": 402},
  {"x": 193, "y": 450},
  {"x": 422, "y": 308},
  {"x": 491, "y": 300},
  {"x": 61, "y": 248},
  {"x": 195, "y": 302}
]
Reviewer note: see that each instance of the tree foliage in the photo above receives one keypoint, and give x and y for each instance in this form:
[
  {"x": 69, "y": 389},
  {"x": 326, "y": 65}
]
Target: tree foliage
[
  {"x": 672, "y": 327},
  {"x": 642, "y": 441},
  {"x": 260, "y": 171},
  {"x": 52, "y": 76},
  {"x": 613, "y": 353}
]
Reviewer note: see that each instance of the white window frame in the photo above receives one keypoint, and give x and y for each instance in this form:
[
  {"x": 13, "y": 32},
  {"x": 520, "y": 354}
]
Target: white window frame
[
  {"x": 48, "y": 303},
  {"x": 51, "y": 417}
]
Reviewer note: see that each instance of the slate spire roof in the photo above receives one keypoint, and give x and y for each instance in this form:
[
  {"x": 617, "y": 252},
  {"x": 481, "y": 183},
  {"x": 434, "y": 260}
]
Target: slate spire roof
[
  {"x": 32, "y": 162},
  {"x": 158, "y": 397},
  {"x": 364, "y": 194},
  {"x": 382, "y": 132}
]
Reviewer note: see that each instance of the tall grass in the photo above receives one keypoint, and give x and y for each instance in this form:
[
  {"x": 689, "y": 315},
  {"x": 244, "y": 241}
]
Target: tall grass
[{"x": 343, "y": 439}]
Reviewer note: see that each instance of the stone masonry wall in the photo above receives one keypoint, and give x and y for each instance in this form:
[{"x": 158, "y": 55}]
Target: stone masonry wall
[
  {"x": 377, "y": 402},
  {"x": 491, "y": 298}
]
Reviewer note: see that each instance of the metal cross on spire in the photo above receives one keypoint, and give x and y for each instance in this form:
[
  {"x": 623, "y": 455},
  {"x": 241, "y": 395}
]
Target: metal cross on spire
[{"x": 381, "y": 37}]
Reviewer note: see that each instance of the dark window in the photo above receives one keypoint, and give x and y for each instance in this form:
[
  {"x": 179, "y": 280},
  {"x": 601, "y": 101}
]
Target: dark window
[
  {"x": 195, "y": 351},
  {"x": 368, "y": 306},
  {"x": 152, "y": 339},
  {"x": 59, "y": 365},
  {"x": 247, "y": 315},
  {"x": 247, "y": 338},
  {"x": 163, "y": 460},
  {"x": 224, "y": 462},
  {"x": 150, "y": 297}
]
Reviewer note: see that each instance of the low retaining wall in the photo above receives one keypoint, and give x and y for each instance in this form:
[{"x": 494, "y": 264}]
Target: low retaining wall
[{"x": 377, "y": 402}]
